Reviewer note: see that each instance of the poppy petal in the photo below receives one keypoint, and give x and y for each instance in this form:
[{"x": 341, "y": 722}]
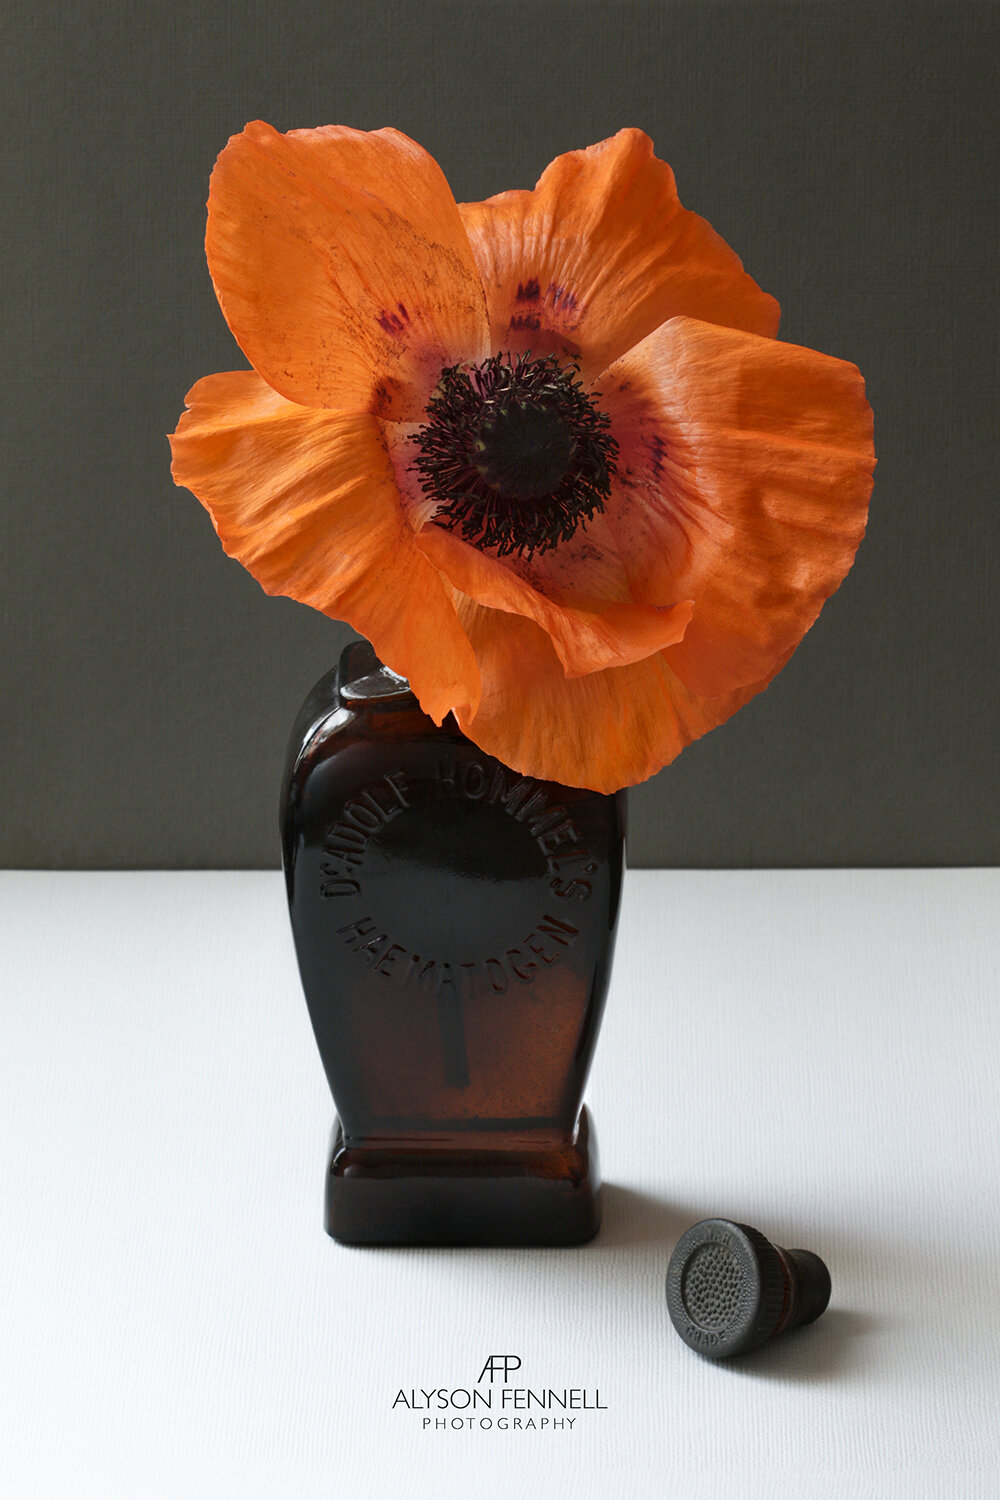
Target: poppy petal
[
  {"x": 607, "y": 730},
  {"x": 588, "y": 633},
  {"x": 600, "y": 253},
  {"x": 305, "y": 499},
  {"x": 745, "y": 474},
  {"x": 342, "y": 267}
]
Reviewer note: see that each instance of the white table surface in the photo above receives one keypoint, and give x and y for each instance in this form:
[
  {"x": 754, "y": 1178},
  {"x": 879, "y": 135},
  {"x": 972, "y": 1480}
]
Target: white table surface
[{"x": 816, "y": 1053}]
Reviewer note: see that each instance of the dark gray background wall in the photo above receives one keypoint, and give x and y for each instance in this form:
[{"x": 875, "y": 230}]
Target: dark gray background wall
[{"x": 847, "y": 151}]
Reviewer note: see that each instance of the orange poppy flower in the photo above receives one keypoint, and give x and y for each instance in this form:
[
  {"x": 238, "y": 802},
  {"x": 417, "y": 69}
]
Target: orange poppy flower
[{"x": 544, "y": 451}]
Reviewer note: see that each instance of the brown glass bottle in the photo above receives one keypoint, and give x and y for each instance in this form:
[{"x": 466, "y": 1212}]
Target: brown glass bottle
[{"x": 454, "y": 924}]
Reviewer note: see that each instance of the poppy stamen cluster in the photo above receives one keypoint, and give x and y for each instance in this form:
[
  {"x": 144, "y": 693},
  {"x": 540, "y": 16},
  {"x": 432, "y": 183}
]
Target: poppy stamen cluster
[{"x": 515, "y": 453}]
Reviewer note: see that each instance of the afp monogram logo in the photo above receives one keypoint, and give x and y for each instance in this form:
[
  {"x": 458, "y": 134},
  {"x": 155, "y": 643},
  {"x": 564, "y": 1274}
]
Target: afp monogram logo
[
  {"x": 505, "y": 1362},
  {"x": 497, "y": 1405}
]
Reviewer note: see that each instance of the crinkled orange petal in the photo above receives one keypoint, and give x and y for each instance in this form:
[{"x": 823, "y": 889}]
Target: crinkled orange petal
[
  {"x": 305, "y": 499},
  {"x": 588, "y": 634},
  {"x": 607, "y": 730},
  {"x": 743, "y": 484},
  {"x": 342, "y": 267},
  {"x": 600, "y": 253}
]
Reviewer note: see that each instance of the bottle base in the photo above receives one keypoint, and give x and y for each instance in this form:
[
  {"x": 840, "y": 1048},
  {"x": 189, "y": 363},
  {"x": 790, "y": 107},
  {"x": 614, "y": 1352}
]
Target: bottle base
[{"x": 384, "y": 1196}]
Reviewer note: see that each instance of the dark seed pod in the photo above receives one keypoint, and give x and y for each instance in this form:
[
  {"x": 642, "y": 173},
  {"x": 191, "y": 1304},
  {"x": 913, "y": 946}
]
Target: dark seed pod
[{"x": 515, "y": 453}]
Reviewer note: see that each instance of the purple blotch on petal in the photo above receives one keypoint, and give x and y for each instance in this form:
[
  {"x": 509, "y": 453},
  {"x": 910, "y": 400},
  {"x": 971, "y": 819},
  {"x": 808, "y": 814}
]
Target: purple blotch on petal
[
  {"x": 559, "y": 297},
  {"x": 394, "y": 323}
]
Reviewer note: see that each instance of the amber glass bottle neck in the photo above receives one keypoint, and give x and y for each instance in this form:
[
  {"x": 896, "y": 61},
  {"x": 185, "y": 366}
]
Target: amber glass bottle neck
[{"x": 366, "y": 680}]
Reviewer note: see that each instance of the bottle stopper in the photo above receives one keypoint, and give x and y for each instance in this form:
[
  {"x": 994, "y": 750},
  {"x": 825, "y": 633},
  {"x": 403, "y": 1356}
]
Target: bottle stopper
[{"x": 729, "y": 1289}]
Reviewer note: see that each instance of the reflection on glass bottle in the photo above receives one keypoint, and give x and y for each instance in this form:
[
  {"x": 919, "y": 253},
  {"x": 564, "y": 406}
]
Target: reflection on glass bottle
[{"x": 454, "y": 923}]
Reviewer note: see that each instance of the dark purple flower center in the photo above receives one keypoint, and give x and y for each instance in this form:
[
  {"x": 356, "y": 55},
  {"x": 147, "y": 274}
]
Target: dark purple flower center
[{"x": 515, "y": 453}]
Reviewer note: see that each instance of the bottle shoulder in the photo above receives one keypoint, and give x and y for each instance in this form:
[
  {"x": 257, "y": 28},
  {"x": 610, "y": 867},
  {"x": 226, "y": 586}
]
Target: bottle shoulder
[
  {"x": 359, "y": 702},
  {"x": 361, "y": 714}
]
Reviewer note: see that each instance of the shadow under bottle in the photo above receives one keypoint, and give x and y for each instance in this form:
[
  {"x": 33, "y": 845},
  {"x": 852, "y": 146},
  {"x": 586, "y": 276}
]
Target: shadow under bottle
[{"x": 454, "y": 924}]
